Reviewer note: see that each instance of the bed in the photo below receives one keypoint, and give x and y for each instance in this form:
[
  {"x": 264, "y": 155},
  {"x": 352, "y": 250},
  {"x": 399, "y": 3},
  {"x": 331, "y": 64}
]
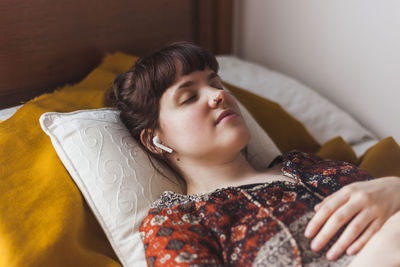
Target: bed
[{"x": 74, "y": 186}]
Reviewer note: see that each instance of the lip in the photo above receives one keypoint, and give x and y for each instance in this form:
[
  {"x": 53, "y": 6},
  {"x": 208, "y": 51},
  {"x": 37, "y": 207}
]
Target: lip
[{"x": 224, "y": 114}]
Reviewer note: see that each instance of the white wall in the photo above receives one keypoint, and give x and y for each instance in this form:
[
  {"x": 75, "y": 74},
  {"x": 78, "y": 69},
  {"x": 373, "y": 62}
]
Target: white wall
[{"x": 347, "y": 50}]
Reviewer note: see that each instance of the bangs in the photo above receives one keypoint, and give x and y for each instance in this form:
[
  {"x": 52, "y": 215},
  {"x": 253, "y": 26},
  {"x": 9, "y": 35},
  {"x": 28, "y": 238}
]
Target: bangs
[
  {"x": 197, "y": 59},
  {"x": 163, "y": 64}
]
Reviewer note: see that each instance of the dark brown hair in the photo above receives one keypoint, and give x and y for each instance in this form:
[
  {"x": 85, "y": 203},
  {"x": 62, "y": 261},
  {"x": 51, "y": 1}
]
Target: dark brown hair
[{"x": 137, "y": 92}]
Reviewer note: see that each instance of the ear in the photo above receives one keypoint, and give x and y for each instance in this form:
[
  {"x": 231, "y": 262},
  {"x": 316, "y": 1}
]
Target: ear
[{"x": 146, "y": 137}]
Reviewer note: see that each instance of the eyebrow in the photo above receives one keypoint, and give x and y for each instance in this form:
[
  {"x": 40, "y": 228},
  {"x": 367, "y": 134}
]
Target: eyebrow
[{"x": 210, "y": 76}]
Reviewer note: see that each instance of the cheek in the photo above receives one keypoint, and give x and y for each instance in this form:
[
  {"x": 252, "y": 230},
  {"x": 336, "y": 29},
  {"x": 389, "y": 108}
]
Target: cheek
[
  {"x": 184, "y": 124},
  {"x": 192, "y": 121}
]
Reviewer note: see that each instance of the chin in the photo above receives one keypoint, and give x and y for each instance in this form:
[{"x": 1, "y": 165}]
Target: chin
[{"x": 239, "y": 139}]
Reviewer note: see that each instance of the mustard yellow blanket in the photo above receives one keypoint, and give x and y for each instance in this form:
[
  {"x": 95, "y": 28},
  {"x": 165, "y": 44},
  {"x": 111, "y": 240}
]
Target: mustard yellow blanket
[{"x": 44, "y": 218}]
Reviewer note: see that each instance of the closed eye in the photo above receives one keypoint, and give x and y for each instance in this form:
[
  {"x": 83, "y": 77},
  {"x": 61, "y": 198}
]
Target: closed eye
[
  {"x": 220, "y": 87},
  {"x": 190, "y": 99},
  {"x": 217, "y": 85}
]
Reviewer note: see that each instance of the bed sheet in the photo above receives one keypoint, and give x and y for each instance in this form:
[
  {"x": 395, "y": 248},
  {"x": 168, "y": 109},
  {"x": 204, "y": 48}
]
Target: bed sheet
[{"x": 8, "y": 112}]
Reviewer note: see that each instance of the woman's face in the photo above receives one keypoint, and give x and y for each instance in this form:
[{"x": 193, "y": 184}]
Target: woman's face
[{"x": 200, "y": 120}]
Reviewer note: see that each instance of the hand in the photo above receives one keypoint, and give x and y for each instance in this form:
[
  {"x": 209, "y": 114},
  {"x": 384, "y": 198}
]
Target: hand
[
  {"x": 365, "y": 206},
  {"x": 383, "y": 248}
]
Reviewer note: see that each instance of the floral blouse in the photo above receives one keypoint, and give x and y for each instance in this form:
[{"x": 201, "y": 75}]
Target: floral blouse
[{"x": 250, "y": 225}]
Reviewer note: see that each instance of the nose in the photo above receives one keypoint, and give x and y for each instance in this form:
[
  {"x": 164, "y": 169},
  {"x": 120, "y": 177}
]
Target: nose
[{"x": 217, "y": 99}]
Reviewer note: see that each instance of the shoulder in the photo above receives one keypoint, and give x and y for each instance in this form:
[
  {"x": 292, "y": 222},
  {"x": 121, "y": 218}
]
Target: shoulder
[
  {"x": 171, "y": 206},
  {"x": 167, "y": 211},
  {"x": 326, "y": 174},
  {"x": 174, "y": 228},
  {"x": 309, "y": 164}
]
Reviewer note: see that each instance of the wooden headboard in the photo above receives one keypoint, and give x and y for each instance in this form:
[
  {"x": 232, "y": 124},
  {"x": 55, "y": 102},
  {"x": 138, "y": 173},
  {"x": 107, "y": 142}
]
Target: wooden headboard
[{"x": 45, "y": 44}]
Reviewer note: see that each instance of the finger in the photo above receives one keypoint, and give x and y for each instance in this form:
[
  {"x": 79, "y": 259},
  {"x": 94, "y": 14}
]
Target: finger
[
  {"x": 325, "y": 210},
  {"x": 363, "y": 239},
  {"x": 357, "y": 225},
  {"x": 339, "y": 218},
  {"x": 316, "y": 207},
  {"x": 326, "y": 199}
]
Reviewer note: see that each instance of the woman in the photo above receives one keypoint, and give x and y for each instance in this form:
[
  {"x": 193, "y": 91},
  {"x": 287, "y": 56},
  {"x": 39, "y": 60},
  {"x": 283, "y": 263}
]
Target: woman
[{"x": 174, "y": 105}]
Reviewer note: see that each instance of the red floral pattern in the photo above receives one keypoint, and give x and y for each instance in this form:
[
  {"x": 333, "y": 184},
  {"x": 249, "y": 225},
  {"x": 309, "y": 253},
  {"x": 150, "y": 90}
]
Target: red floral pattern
[{"x": 252, "y": 225}]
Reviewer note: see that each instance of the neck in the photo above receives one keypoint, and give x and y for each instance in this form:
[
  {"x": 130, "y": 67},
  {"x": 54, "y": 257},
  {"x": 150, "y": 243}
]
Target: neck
[{"x": 205, "y": 177}]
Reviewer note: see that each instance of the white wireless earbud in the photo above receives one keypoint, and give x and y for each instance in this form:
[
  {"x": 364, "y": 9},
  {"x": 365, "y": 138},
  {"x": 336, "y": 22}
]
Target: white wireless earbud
[{"x": 156, "y": 142}]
